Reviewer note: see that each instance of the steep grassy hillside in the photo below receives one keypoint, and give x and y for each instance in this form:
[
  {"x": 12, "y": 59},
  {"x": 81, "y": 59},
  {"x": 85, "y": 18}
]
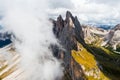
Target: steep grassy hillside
[
  {"x": 89, "y": 64},
  {"x": 109, "y": 62},
  {"x": 98, "y": 63}
]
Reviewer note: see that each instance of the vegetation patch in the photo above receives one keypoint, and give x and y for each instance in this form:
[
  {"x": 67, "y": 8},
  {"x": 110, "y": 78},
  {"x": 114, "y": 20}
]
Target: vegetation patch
[{"x": 89, "y": 64}]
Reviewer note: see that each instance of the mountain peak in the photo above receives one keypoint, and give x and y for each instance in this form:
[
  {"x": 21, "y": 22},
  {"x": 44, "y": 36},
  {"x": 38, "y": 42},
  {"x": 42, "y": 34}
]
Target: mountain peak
[
  {"x": 117, "y": 27},
  {"x": 68, "y": 14},
  {"x": 69, "y": 32}
]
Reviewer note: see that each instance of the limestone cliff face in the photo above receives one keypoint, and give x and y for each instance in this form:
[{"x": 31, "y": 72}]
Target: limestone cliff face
[
  {"x": 112, "y": 39},
  {"x": 93, "y": 34},
  {"x": 68, "y": 32}
]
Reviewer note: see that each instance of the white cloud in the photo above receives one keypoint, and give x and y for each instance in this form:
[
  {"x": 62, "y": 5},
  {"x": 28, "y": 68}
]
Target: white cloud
[
  {"x": 28, "y": 21},
  {"x": 102, "y": 11},
  {"x": 110, "y": 2}
]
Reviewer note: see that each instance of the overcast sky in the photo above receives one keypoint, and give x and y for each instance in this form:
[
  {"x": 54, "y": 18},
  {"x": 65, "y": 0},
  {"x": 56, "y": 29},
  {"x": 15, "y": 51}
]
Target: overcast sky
[{"x": 89, "y": 11}]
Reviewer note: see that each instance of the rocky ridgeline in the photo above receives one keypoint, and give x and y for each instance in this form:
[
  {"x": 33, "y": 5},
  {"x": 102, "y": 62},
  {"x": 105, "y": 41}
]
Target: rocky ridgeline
[{"x": 68, "y": 32}]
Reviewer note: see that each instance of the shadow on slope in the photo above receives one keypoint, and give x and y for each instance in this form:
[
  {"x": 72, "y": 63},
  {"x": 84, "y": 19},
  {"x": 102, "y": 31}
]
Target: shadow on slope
[{"x": 108, "y": 62}]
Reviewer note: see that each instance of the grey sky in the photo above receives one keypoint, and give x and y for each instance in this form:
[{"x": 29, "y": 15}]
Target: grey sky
[
  {"x": 61, "y": 4},
  {"x": 98, "y": 11},
  {"x": 101, "y": 11},
  {"x": 109, "y": 2}
]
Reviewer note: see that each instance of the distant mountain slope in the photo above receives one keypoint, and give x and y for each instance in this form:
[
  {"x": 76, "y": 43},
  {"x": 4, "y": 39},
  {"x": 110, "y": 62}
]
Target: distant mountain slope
[
  {"x": 112, "y": 39},
  {"x": 5, "y": 39},
  {"x": 93, "y": 34},
  {"x": 106, "y": 27}
]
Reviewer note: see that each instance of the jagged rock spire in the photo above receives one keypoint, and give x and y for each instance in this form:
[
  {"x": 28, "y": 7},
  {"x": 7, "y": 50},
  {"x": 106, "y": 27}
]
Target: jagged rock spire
[{"x": 68, "y": 32}]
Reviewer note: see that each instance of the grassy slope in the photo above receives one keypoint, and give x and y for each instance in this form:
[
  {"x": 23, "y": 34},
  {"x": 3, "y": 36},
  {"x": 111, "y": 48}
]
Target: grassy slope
[
  {"x": 89, "y": 64},
  {"x": 109, "y": 61},
  {"x": 99, "y": 63}
]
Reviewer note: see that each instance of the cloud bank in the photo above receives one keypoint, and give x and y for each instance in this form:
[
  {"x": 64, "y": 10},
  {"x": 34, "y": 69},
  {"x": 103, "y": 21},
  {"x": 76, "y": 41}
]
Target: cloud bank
[
  {"x": 28, "y": 21},
  {"x": 88, "y": 11},
  {"x": 91, "y": 11}
]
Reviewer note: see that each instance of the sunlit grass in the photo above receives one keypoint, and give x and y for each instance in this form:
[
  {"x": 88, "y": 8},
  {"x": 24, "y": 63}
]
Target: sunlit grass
[{"x": 89, "y": 64}]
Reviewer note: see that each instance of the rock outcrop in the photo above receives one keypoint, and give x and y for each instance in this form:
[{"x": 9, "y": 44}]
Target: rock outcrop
[
  {"x": 112, "y": 39},
  {"x": 93, "y": 34},
  {"x": 68, "y": 32}
]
